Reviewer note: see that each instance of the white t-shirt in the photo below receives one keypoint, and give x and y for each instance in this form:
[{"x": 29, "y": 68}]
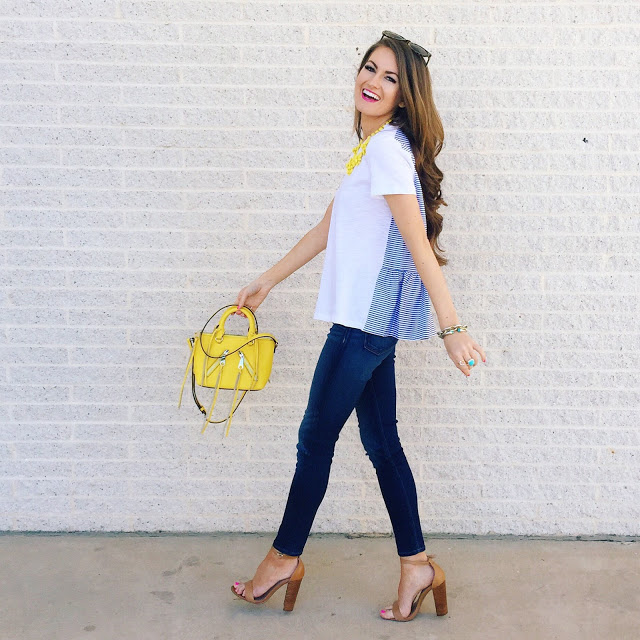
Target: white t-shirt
[{"x": 369, "y": 280}]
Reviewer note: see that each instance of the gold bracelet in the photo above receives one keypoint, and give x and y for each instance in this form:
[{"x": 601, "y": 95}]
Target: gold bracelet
[{"x": 454, "y": 328}]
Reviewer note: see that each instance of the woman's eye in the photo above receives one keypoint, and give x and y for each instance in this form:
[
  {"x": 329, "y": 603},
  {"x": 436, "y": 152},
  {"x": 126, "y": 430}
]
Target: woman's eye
[{"x": 368, "y": 67}]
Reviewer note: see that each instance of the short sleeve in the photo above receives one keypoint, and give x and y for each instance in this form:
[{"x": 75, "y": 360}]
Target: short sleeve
[{"x": 392, "y": 167}]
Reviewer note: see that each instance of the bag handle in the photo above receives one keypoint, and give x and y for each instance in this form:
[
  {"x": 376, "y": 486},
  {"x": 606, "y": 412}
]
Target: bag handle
[
  {"x": 230, "y": 309},
  {"x": 253, "y": 324}
]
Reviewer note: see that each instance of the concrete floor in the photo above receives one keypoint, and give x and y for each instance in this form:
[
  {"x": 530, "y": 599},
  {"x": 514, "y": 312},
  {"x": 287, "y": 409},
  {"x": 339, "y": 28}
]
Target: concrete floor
[{"x": 107, "y": 587}]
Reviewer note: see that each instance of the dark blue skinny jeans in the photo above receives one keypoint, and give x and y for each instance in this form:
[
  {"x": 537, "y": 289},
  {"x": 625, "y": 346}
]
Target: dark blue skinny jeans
[{"x": 356, "y": 369}]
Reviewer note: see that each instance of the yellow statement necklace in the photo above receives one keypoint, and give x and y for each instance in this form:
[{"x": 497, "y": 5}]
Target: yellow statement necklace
[{"x": 360, "y": 149}]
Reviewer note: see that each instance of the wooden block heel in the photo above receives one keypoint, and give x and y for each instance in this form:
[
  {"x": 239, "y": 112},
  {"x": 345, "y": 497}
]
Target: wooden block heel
[
  {"x": 440, "y": 598},
  {"x": 292, "y": 593}
]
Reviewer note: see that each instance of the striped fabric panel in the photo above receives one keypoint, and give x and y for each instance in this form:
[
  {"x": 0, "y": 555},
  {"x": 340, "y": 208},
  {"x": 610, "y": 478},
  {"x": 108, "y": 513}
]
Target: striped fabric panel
[{"x": 401, "y": 306}]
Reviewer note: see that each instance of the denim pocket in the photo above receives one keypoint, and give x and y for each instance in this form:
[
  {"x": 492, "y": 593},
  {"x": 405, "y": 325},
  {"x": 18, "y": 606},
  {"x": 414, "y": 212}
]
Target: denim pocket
[{"x": 379, "y": 344}]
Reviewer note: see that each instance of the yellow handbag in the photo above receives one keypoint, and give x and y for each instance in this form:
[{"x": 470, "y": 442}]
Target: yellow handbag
[{"x": 228, "y": 361}]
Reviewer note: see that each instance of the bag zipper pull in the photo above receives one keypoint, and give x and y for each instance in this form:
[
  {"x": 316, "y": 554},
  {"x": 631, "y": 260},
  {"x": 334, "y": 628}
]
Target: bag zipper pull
[{"x": 220, "y": 362}]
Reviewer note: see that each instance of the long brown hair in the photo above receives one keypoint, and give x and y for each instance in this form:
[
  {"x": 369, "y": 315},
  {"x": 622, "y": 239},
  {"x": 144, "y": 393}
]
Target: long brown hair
[{"x": 420, "y": 122}]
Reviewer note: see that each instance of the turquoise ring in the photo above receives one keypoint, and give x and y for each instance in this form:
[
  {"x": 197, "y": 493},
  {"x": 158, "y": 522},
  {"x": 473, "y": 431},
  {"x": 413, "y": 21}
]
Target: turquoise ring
[{"x": 471, "y": 362}]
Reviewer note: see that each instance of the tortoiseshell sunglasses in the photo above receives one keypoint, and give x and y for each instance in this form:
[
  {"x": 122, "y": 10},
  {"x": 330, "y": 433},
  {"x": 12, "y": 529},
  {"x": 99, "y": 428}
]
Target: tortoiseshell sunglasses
[{"x": 421, "y": 51}]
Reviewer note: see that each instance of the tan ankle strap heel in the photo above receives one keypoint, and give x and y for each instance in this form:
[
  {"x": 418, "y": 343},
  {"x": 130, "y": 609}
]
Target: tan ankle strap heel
[
  {"x": 293, "y": 586},
  {"x": 438, "y": 587},
  {"x": 281, "y": 555},
  {"x": 409, "y": 561}
]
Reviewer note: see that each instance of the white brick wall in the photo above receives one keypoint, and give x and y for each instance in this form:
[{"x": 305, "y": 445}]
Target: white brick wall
[{"x": 156, "y": 156}]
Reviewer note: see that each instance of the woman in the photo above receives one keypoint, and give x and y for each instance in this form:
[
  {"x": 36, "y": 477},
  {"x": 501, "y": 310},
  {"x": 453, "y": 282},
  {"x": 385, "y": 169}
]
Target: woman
[{"x": 380, "y": 281}]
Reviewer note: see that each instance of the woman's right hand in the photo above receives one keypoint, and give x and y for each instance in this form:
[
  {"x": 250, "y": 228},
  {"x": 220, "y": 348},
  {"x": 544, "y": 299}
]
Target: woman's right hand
[
  {"x": 252, "y": 295},
  {"x": 460, "y": 347}
]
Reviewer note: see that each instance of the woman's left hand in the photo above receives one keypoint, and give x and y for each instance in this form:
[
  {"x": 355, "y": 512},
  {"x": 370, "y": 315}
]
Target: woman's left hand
[{"x": 460, "y": 347}]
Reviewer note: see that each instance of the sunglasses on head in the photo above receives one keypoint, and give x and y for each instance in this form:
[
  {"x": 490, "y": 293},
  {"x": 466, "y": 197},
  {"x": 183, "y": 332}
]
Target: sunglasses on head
[{"x": 421, "y": 51}]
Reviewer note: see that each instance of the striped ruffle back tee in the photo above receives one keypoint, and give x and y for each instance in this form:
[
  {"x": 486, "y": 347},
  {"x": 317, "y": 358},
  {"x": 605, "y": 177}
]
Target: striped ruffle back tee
[{"x": 369, "y": 280}]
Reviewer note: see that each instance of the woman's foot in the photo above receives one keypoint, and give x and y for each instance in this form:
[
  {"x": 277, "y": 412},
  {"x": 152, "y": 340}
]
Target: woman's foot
[
  {"x": 271, "y": 570},
  {"x": 413, "y": 578}
]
